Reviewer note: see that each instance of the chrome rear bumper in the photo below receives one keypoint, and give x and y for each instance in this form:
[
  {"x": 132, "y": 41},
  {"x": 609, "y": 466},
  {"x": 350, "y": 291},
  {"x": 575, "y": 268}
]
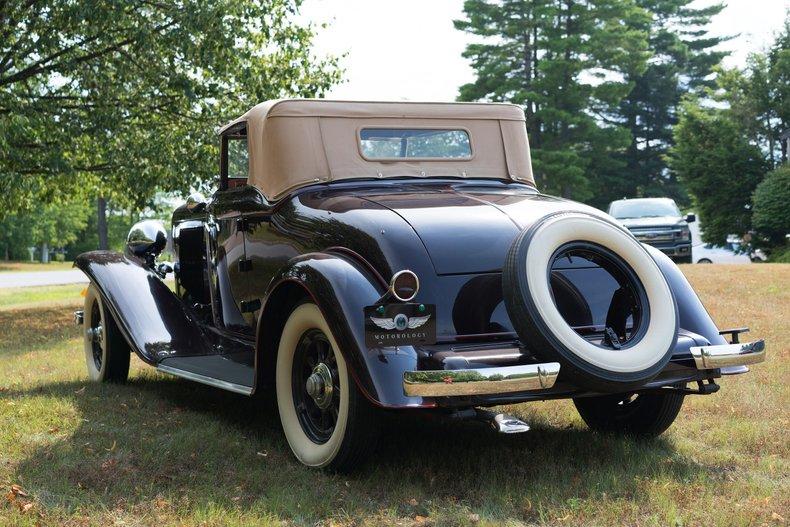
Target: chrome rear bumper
[
  {"x": 480, "y": 381},
  {"x": 722, "y": 355}
]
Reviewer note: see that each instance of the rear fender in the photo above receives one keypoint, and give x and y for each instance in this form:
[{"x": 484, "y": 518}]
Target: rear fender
[
  {"x": 151, "y": 317},
  {"x": 341, "y": 288},
  {"x": 693, "y": 315}
]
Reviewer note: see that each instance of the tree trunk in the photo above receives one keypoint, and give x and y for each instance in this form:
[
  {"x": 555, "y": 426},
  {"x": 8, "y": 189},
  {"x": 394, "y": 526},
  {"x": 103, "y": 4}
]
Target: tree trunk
[
  {"x": 101, "y": 224},
  {"x": 44, "y": 253}
]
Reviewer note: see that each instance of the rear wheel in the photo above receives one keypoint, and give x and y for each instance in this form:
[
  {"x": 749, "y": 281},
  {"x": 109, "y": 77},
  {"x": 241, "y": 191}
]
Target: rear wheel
[
  {"x": 328, "y": 423},
  {"x": 704, "y": 261},
  {"x": 107, "y": 354},
  {"x": 645, "y": 415}
]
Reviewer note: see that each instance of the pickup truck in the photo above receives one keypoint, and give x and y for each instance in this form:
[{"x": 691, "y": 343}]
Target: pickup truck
[{"x": 656, "y": 222}]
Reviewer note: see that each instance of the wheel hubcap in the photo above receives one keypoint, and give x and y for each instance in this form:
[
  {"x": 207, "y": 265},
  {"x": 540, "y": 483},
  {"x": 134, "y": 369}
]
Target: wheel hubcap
[
  {"x": 319, "y": 386},
  {"x": 96, "y": 334}
]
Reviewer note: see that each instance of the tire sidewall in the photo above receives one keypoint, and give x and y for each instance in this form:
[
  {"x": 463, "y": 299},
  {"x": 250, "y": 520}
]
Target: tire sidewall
[
  {"x": 531, "y": 327},
  {"x": 92, "y": 296},
  {"x": 303, "y": 318}
]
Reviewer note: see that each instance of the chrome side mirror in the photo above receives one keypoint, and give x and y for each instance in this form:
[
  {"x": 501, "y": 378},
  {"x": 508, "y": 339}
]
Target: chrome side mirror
[
  {"x": 147, "y": 239},
  {"x": 195, "y": 201}
]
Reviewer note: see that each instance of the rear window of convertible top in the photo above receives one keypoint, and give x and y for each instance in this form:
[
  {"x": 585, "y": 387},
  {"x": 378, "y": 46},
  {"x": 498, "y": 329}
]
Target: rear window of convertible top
[{"x": 414, "y": 143}]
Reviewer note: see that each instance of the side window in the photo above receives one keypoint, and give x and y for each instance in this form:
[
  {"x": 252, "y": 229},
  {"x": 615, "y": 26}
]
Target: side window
[{"x": 238, "y": 161}]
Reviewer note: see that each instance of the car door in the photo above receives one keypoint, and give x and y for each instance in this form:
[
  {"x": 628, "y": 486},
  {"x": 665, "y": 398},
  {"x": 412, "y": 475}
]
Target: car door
[{"x": 232, "y": 203}]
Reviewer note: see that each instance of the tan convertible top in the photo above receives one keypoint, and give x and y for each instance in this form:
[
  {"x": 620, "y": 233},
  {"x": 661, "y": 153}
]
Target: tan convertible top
[{"x": 297, "y": 142}]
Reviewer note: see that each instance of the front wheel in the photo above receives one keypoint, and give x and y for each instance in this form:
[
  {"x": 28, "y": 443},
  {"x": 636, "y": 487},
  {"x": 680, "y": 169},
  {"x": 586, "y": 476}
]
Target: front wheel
[
  {"x": 645, "y": 415},
  {"x": 107, "y": 353},
  {"x": 328, "y": 423}
]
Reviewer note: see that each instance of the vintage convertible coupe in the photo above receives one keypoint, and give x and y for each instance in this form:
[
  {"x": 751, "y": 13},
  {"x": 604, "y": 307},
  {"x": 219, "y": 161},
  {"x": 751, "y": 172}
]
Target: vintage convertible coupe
[{"x": 365, "y": 257}]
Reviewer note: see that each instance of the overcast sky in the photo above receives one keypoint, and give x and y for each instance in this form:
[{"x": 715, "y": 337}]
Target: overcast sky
[{"x": 409, "y": 50}]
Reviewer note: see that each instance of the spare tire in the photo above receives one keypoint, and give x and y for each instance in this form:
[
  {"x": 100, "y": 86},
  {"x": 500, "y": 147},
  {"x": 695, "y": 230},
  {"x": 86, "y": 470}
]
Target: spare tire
[{"x": 610, "y": 357}]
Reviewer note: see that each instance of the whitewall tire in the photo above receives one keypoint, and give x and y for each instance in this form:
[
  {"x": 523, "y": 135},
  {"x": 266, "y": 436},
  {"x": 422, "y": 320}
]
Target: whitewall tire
[
  {"x": 540, "y": 324},
  {"x": 107, "y": 354},
  {"x": 326, "y": 420}
]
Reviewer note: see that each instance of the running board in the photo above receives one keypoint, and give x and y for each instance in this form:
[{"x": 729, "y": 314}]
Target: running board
[{"x": 217, "y": 383}]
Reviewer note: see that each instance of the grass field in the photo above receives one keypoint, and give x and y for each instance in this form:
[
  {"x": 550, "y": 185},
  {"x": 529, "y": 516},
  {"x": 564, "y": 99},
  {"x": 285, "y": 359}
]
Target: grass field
[
  {"x": 160, "y": 451},
  {"x": 17, "y": 298}
]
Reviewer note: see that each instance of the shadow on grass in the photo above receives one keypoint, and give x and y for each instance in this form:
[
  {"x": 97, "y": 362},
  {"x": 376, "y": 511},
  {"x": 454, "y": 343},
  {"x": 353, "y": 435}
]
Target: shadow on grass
[{"x": 195, "y": 448}]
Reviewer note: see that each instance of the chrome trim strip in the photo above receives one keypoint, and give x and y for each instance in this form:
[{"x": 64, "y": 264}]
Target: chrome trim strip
[
  {"x": 225, "y": 385},
  {"x": 710, "y": 357},
  {"x": 480, "y": 381}
]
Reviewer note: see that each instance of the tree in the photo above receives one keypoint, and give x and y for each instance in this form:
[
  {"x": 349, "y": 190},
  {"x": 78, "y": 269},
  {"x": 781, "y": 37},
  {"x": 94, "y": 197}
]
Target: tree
[
  {"x": 682, "y": 61},
  {"x": 57, "y": 225},
  {"x": 759, "y": 95},
  {"x": 122, "y": 98},
  {"x": 48, "y": 227},
  {"x": 14, "y": 238},
  {"x": 566, "y": 63},
  {"x": 719, "y": 167},
  {"x": 771, "y": 217}
]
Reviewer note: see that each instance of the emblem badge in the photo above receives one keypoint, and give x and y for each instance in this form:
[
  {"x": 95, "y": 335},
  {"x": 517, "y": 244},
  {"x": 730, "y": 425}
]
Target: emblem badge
[
  {"x": 391, "y": 325},
  {"x": 400, "y": 322}
]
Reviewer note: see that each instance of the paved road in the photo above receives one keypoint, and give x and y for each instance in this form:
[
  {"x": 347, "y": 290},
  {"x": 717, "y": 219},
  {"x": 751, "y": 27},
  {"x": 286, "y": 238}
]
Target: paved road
[{"x": 29, "y": 279}]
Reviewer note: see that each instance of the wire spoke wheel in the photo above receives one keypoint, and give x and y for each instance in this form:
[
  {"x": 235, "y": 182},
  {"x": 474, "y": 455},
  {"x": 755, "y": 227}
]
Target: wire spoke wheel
[
  {"x": 107, "y": 353},
  {"x": 96, "y": 330},
  {"x": 316, "y": 386},
  {"x": 325, "y": 418}
]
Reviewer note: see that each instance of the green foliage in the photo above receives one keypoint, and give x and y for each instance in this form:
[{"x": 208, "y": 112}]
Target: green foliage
[
  {"x": 722, "y": 154},
  {"x": 682, "y": 60},
  {"x": 55, "y": 225},
  {"x": 771, "y": 216},
  {"x": 759, "y": 95},
  {"x": 72, "y": 226},
  {"x": 15, "y": 238},
  {"x": 719, "y": 167},
  {"x": 58, "y": 224},
  {"x": 780, "y": 254},
  {"x": 566, "y": 63},
  {"x": 122, "y": 99}
]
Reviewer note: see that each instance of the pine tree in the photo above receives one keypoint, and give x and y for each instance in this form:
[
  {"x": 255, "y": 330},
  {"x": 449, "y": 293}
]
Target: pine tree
[{"x": 567, "y": 63}]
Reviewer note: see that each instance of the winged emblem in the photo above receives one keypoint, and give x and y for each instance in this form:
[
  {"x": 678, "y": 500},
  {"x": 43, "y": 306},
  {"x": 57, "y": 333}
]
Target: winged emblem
[{"x": 400, "y": 322}]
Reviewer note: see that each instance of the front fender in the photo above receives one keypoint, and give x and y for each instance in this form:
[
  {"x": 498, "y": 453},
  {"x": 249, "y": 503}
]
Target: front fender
[
  {"x": 151, "y": 317},
  {"x": 692, "y": 314},
  {"x": 341, "y": 288}
]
